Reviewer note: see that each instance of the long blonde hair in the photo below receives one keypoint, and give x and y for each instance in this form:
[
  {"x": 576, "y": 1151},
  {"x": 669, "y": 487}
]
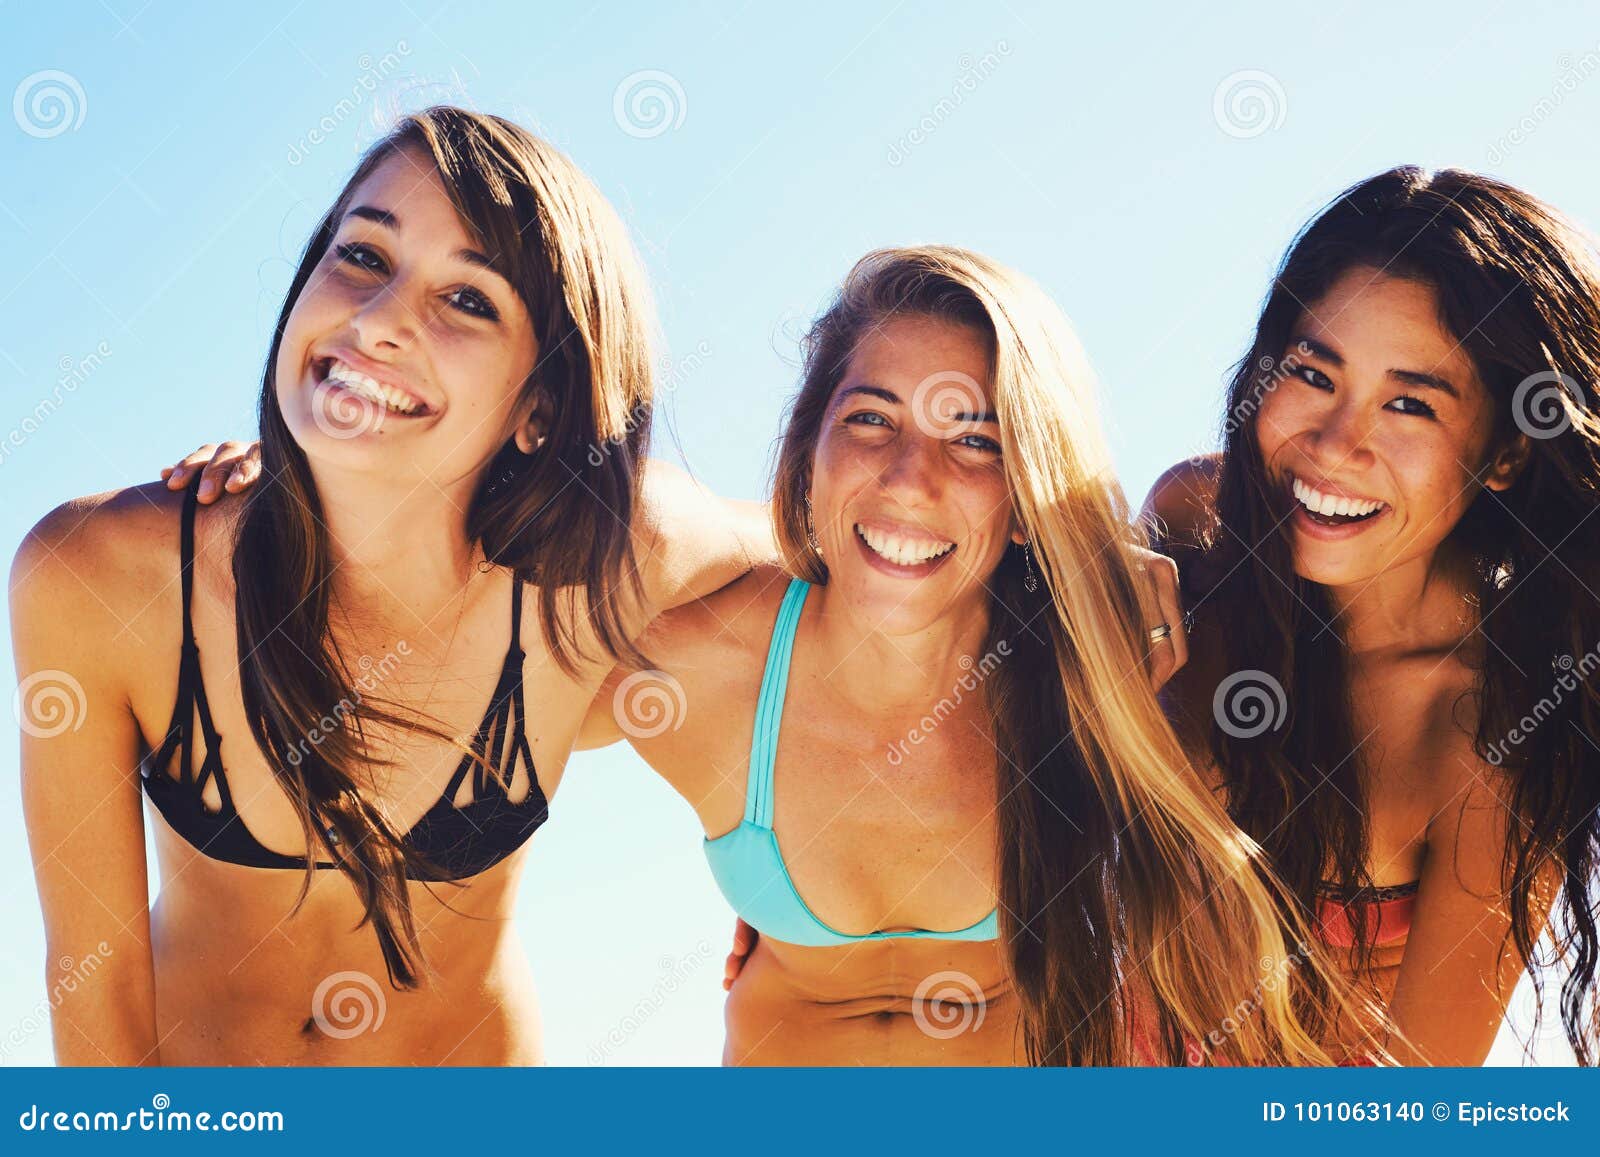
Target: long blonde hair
[{"x": 1127, "y": 895}]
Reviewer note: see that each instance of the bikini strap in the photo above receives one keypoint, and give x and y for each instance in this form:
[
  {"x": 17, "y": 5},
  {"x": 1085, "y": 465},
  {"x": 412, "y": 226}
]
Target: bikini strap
[
  {"x": 191, "y": 503},
  {"x": 769, "y": 706}
]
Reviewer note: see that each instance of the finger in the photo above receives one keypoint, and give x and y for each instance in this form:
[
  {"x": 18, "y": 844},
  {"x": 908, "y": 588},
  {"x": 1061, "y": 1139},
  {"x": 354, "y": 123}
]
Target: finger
[
  {"x": 1171, "y": 600},
  {"x": 244, "y": 475},
  {"x": 744, "y": 938},
  {"x": 177, "y": 476},
  {"x": 216, "y": 471}
]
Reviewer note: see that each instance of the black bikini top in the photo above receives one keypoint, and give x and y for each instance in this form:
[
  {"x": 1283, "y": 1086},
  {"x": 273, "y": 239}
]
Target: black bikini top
[{"x": 461, "y": 841}]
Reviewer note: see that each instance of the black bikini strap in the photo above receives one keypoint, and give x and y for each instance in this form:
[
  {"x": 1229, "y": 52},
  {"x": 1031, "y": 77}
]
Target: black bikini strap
[
  {"x": 191, "y": 502},
  {"x": 516, "y": 616}
]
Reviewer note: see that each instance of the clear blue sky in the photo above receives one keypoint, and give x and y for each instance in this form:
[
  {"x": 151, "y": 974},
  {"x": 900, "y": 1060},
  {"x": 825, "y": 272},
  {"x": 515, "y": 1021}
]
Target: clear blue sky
[{"x": 150, "y": 235}]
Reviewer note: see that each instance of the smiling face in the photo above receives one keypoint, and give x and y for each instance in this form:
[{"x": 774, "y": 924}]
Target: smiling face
[
  {"x": 1381, "y": 434},
  {"x": 405, "y": 352},
  {"x": 910, "y": 501}
]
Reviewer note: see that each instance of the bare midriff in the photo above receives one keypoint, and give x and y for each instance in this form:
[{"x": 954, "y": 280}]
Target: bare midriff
[
  {"x": 243, "y": 978},
  {"x": 888, "y": 1002}
]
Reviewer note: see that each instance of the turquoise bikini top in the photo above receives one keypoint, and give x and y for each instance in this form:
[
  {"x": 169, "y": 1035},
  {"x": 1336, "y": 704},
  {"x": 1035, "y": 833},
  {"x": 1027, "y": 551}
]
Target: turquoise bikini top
[{"x": 747, "y": 863}]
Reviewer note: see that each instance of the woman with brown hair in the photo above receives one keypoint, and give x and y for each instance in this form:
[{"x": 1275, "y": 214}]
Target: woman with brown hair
[
  {"x": 454, "y": 416},
  {"x": 1393, "y": 569}
]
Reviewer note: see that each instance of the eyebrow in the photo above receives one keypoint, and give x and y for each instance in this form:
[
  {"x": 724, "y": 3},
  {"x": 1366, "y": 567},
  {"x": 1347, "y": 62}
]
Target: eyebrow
[
  {"x": 1410, "y": 377},
  {"x": 894, "y": 399},
  {"x": 390, "y": 221}
]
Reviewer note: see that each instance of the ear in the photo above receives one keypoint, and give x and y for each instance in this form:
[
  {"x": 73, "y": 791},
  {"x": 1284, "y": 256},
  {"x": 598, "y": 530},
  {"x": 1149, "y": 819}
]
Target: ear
[
  {"x": 534, "y": 426},
  {"x": 1505, "y": 467}
]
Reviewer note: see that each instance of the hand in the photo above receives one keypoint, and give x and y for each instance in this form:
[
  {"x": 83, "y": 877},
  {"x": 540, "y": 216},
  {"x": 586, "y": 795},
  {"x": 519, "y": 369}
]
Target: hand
[
  {"x": 232, "y": 467},
  {"x": 1162, "y": 605},
  {"x": 744, "y": 943}
]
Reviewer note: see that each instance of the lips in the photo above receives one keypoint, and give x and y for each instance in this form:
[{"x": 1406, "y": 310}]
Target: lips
[
  {"x": 387, "y": 393},
  {"x": 1326, "y": 507}
]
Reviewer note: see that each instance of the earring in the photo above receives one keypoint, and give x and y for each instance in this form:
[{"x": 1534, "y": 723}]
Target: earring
[
  {"x": 811, "y": 530},
  {"x": 1030, "y": 581}
]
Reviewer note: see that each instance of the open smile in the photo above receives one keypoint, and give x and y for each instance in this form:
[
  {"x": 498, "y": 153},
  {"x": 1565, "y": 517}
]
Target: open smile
[
  {"x": 335, "y": 373},
  {"x": 901, "y": 550}
]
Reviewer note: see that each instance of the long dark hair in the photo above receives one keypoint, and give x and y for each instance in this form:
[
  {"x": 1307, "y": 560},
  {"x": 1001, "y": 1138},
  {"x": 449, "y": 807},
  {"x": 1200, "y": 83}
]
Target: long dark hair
[
  {"x": 1518, "y": 286},
  {"x": 559, "y": 517},
  {"x": 1130, "y": 905}
]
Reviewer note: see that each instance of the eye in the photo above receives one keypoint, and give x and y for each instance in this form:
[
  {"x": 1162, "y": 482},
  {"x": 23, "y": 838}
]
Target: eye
[
  {"x": 866, "y": 418},
  {"x": 1409, "y": 405},
  {"x": 1314, "y": 377},
  {"x": 470, "y": 301},
  {"x": 979, "y": 442},
  {"x": 361, "y": 257}
]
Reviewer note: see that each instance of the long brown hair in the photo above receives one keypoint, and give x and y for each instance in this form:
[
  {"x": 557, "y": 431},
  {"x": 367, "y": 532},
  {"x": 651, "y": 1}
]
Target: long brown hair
[
  {"x": 1126, "y": 893},
  {"x": 1518, "y": 286},
  {"x": 559, "y": 517}
]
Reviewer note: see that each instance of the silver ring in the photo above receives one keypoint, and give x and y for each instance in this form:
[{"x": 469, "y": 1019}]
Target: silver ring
[{"x": 1164, "y": 631}]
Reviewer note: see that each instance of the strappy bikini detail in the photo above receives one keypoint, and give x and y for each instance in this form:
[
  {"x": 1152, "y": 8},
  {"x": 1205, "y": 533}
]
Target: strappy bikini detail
[
  {"x": 461, "y": 840},
  {"x": 747, "y": 862}
]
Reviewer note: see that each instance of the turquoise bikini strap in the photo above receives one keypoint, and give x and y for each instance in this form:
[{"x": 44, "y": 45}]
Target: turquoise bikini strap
[{"x": 769, "y": 707}]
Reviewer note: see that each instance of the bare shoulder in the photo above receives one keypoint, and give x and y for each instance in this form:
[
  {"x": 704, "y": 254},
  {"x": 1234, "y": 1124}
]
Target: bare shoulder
[
  {"x": 1179, "y": 503},
  {"x": 732, "y": 621}
]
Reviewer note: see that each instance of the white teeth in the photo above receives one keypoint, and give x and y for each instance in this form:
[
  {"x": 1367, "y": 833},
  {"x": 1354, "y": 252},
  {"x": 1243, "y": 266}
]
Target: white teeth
[
  {"x": 899, "y": 549},
  {"x": 371, "y": 389},
  {"x": 1329, "y": 504}
]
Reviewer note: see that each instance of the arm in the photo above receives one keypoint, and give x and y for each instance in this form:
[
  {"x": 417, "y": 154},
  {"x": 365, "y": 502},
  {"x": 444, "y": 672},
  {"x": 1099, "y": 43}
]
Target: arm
[
  {"x": 1455, "y": 981},
  {"x": 80, "y": 792}
]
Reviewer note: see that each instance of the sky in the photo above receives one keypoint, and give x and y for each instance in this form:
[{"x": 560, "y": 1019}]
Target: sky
[{"x": 162, "y": 165}]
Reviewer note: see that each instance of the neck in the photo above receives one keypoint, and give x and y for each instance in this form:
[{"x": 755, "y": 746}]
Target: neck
[
  {"x": 392, "y": 542},
  {"x": 891, "y": 675},
  {"x": 1414, "y": 606}
]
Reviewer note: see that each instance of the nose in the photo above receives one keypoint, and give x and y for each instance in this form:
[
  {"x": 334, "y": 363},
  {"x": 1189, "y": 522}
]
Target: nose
[
  {"x": 387, "y": 320},
  {"x": 913, "y": 473},
  {"x": 1343, "y": 439}
]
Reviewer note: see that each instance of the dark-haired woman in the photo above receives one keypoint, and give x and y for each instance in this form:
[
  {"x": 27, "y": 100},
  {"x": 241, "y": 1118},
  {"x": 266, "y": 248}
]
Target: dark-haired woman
[
  {"x": 398, "y": 635},
  {"x": 1393, "y": 570}
]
